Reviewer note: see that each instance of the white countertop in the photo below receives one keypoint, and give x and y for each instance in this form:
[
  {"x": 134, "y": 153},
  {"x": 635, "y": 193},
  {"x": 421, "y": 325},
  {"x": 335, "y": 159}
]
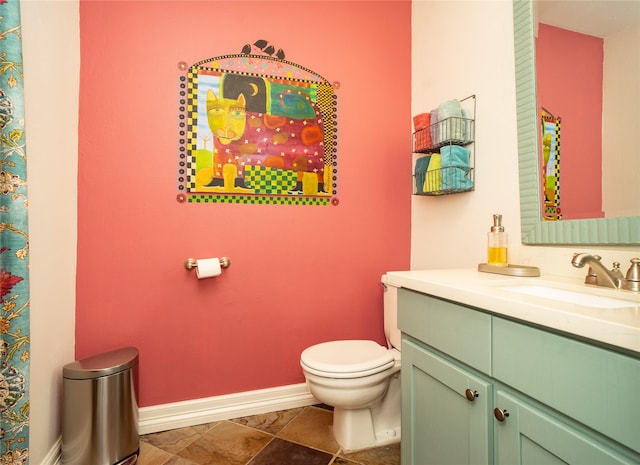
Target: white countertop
[{"x": 618, "y": 327}]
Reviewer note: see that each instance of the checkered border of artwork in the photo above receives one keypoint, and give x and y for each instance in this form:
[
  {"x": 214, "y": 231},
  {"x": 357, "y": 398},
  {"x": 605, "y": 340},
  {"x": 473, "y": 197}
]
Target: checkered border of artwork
[
  {"x": 183, "y": 162},
  {"x": 259, "y": 199},
  {"x": 552, "y": 210}
]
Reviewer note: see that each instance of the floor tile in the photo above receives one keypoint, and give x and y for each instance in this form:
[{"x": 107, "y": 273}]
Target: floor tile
[
  {"x": 311, "y": 427},
  {"x": 173, "y": 441},
  {"x": 289, "y": 437},
  {"x": 343, "y": 461},
  {"x": 386, "y": 455},
  {"x": 271, "y": 422},
  {"x": 279, "y": 452},
  {"x": 177, "y": 460},
  {"x": 227, "y": 443},
  {"x": 150, "y": 455}
]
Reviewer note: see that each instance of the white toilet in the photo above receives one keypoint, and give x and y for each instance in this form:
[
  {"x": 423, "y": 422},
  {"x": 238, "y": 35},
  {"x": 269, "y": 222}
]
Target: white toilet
[{"x": 361, "y": 381}]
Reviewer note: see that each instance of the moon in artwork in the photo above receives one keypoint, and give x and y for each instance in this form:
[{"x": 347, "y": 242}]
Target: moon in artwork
[{"x": 254, "y": 86}]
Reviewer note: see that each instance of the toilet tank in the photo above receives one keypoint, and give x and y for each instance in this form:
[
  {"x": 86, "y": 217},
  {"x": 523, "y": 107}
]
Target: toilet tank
[{"x": 391, "y": 331}]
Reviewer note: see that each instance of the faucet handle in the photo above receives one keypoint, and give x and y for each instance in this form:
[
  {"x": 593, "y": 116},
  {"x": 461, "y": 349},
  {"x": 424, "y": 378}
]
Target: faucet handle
[
  {"x": 592, "y": 277},
  {"x": 632, "y": 279},
  {"x": 633, "y": 273},
  {"x": 616, "y": 272}
]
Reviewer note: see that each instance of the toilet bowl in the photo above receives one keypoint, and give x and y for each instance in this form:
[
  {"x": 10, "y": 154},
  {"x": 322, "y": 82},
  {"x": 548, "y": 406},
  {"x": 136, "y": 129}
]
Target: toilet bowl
[{"x": 360, "y": 379}]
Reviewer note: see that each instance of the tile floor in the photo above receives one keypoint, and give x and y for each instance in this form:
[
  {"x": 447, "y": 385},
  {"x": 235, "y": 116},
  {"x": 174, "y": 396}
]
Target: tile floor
[{"x": 300, "y": 436}]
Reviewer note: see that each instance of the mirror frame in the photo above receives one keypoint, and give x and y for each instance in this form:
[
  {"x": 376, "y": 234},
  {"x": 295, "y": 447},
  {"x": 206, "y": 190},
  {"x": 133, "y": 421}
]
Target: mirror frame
[{"x": 536, "y": 231}]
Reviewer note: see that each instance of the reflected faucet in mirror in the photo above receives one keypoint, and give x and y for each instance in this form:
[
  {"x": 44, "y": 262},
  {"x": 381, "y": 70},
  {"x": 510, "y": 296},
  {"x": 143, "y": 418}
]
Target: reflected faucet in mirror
[{"x": 599, "y": 275}]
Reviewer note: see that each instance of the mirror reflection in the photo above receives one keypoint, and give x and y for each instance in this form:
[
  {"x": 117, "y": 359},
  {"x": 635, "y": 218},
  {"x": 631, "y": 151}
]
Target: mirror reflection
[{"x": 588, "y": 70}]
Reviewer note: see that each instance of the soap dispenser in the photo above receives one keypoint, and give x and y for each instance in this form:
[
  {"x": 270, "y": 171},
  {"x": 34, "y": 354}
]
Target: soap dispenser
[{"x": 497, "y": 243}]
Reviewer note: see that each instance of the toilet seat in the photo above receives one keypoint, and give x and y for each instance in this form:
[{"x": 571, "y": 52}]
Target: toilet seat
[{"x": 346, "y": 359}]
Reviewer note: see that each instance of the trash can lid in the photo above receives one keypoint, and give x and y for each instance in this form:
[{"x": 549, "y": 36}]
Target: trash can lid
[{"x": 105, "y": 364}]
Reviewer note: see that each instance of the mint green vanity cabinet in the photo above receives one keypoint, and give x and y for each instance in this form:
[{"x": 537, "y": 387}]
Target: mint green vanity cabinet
[
  {"x": 445, "y": 402},
  {"x": 529, "y": 436},
  {"x": 537, "y": 397},
  {"x": 596, "y": 387},
  {"x": 461, "y": 332},
  {"x": 447, "y": 421}
]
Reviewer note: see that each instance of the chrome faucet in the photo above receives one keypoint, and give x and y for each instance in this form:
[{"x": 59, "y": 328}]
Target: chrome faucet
[{"x": 598, "y": 274}]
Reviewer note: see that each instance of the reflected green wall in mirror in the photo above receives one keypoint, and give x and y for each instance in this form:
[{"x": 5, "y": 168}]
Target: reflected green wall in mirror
[{"x": 600, "y": 231}]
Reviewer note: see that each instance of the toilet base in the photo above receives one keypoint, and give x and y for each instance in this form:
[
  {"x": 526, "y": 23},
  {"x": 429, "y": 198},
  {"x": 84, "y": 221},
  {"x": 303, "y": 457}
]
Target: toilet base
[
  {"x": 376, "y": 426},
  {"x": 363, "y": 436}
]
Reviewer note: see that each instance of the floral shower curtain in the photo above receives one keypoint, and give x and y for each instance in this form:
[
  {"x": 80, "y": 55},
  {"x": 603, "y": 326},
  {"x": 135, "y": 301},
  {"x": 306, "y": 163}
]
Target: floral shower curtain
[{"x": 14, "y": 245}]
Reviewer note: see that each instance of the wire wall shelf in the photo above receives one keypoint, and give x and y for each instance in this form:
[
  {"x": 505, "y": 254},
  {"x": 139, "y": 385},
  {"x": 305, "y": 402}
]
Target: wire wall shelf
[{"x": 445, "y": 154}]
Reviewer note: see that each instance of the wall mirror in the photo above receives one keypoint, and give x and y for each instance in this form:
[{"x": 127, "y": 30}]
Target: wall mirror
[{"x": 622, "y": 230}]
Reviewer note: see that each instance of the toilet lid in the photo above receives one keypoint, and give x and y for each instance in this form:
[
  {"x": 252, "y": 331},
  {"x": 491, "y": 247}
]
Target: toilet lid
[{"x": 347, "y": 357}]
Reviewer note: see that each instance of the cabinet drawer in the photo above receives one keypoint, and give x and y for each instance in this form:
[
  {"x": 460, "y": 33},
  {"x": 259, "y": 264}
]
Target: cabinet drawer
[
  {"x": 458, "y": 331},
  {"x": 595, "y": 386}
]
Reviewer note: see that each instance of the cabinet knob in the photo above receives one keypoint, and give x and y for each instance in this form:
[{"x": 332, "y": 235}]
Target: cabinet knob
[
  {"x": 500, "y": 414},
  {"x": 471, "y": 395}
]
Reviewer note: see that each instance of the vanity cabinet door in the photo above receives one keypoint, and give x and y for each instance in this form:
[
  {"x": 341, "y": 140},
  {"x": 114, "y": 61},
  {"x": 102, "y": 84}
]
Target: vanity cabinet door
[
  {"x": 525, "y": 435},
  {"x": 594, "y": 386},
  {"x": 445, "y": 410}
]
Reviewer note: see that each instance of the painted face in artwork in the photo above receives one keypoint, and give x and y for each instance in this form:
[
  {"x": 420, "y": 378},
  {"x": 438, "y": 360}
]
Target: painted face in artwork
[{"x": 227, "y": 117}]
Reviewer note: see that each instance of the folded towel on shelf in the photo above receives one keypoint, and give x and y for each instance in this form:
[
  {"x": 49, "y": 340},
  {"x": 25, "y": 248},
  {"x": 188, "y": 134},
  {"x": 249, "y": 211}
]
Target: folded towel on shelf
[
  {"x": 450, "y": 118},
  {"x": 449, "y": 108},
  {"x": 452, "y": 130},
  {"x": 467, "y": 134},
  {"x": 455, "y": 167},
  {"x": 455, "y": 178},
  {"x": 454, "y": 155},
  {"x": 459, "y": 129},
  {"x": 434, "y": 126},
  {"x": 421, "y": 121},
  {"x": 433, "y": 179},
  {"x": 422, "y": 135},
  {"x": 422, "y": 140},
  {"x": 422, "y": 164}
]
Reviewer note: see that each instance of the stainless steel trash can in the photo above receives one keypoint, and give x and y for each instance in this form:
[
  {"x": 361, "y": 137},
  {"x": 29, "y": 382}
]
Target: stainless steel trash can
[{"x": 100, "y": 411}]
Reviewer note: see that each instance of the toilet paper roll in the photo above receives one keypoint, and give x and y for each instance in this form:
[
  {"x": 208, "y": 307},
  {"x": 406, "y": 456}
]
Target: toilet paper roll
[{"x": 208, "y": 268}]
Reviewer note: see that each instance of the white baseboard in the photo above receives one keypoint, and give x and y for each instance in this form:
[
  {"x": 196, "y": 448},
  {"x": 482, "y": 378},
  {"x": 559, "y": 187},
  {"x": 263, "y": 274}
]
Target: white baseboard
[{"x": 198, "y": 411}]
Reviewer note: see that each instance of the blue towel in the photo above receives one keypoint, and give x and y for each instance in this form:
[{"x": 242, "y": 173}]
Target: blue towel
[
  {"x": 467, "y": 135},
  {"x": 449, "y": 116},
  {"x": 455, "y": 167},
  {"x": 455, "y": 178},
  {"x": 453, "y": 129},
  {"x": 448, "y": 109},
  {"x": 454, "y": 155}
]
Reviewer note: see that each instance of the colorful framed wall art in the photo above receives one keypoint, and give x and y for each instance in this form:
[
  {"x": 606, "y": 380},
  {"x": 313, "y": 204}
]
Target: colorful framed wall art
[
  {"x": 255, "y": 128},
  {"x": 550, "y": 136}
]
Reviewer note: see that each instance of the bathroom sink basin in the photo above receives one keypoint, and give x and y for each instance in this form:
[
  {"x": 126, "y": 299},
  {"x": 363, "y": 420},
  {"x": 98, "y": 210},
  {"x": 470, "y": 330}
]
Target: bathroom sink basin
[{"x": 574, "y": 297}]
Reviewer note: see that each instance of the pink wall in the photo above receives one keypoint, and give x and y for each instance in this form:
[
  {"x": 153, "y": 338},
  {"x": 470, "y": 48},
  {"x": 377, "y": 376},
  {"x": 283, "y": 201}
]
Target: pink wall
[
  {"x": 299, "y": 274},
  {"x": 569, "y": 73}
]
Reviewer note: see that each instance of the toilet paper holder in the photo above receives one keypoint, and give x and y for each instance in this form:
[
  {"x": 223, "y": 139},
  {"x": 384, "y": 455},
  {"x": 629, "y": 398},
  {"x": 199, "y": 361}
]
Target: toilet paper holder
[{"x": 191, "y": 263}]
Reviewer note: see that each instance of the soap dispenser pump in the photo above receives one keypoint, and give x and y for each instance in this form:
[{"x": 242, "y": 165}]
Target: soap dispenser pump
[{"x": 497, "y": 243}]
